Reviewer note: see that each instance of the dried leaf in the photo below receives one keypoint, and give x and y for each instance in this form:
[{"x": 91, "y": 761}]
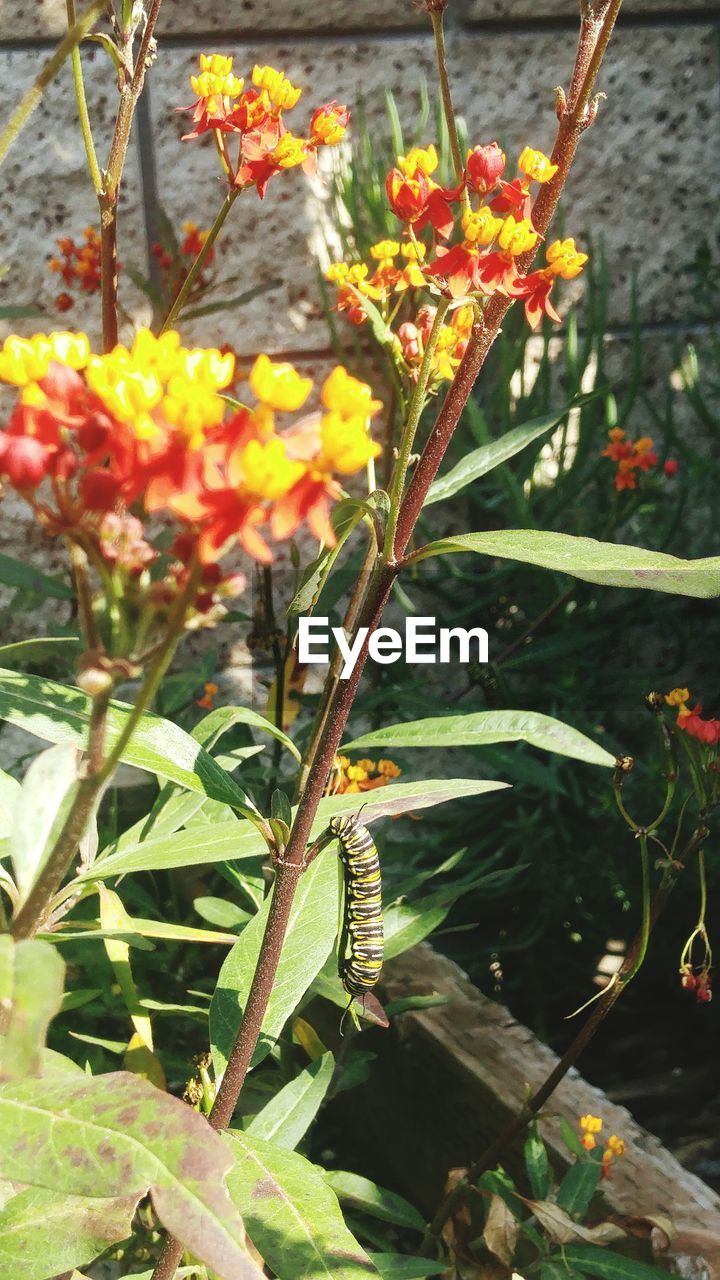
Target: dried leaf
[
  {"x": 501, "y": 1231},
  {"x": 561, "y": 1229}
]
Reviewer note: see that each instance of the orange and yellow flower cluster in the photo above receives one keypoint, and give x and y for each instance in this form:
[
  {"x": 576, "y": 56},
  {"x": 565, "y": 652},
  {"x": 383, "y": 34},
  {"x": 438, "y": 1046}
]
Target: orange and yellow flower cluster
[
  {"x": 691, "y": 721},
  {"x": 464, "y": 243},
  {"x": 590, "y": 1128},
  {"x": 78, "y": 265},
  {"x": 633, "y": 456},
  {"x": 97, "y": 439},
  {"x": 493, "y": 235},
  {"x": 254, "y": 117},
  {"x": 365, "y": 775}
]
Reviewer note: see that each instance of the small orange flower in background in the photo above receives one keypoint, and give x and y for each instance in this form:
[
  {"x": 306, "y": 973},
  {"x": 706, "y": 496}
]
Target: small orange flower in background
[
  {"x": 589, "y": 1127},
  {"x": 210, "y": 691},
  {"x": 614, "y": 1148},
  {"x": 175, "y": 259},
  {"x": 365, "y": 775},
  {"x": 78, "y": 265},
  {"x": 253, "y": 118},
  {"x": 633, "y": 456},
  {"x": 690, "y": 720}
]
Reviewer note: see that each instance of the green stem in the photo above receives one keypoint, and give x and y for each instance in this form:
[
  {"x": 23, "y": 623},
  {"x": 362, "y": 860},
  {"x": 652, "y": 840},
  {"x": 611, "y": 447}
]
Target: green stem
[
  {"x": 38, "y": 903},
  {"x": 644, "y": 934},
  {"x": 46, "y": 75},
  {"x": 417, "y": 404},
  {"x": 446, "y": 95},
  {"x": 82, "y": 107},
  {"x": 200, "y": 260}
]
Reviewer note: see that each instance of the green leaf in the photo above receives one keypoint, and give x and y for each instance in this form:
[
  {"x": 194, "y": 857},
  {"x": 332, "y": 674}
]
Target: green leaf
[
  {"x": 225, "y": 841},
  {"x": 481, "y": 728},
  {"x": 32, "y": 976},
  {"x": 221, "y": 912},
  {"x": 368, "y": 1197},
  {"x": 399, "y": 1266},
  {"x": 593, "y": 1260},
  {"x": 407, "y": 924},
  {"x": 48, "y": 790},
  {"x": 480, "y": 461},
  {"x": 212, "y": 727},
  {"x": 229, "y": 304},
  {"x": 537, "y": 1164},
  {"x": 608, "y": 564},
  {"x": 9, "y": 792},
  {"x": 117, "y": 1130},
  {"x": 39, "y": 648},
  {"x": 61, "y": 714},
  {"x": 344, "y": 517},
  {"x": 292, "y": 1215},
  {"x": 21, "y": 311},
  {"x": 287, "y": 1117},
  {"x": 14, "y": 573},
  {"x": 43, "y": 1233},
  {"x": 280, "y": 808},
  {"x": 579, "y": 1186},
  {"x": 310, "y": 936}
]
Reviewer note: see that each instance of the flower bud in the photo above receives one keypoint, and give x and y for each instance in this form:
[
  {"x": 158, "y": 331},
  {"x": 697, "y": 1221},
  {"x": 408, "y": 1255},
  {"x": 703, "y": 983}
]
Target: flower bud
[{"x": 484, "y": 167}]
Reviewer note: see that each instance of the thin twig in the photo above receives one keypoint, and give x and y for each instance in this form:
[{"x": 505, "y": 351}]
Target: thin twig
[
  {"x": 46, "y": 75},
  {"x": 82, "y": 107}
]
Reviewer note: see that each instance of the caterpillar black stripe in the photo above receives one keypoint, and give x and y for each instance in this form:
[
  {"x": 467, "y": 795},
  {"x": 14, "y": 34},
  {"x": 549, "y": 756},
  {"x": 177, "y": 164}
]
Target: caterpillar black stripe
[{"x": 361, "y": 943}]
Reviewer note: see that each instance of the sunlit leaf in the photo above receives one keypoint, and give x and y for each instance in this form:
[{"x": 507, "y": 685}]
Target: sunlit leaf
[
  {"x": 286, "y": 1118},
  {"x": 118, "y": 1131},
  {"x": 292, "y": 1215},
  {"x": 31, "y": 988},
  {"x": 607, "y": 564},
  {"x": 43, "y": 1233},
  {"x": 481, "y": 728}
]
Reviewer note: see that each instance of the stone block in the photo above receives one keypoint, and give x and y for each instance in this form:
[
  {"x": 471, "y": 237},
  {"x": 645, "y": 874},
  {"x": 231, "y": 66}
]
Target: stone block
[
  {"x": 46, "y": 193},
  {"x": 494, "y": 10}
]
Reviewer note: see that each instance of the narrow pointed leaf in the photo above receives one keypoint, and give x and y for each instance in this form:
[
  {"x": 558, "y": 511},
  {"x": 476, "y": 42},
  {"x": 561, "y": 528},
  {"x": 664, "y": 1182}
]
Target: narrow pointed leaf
[
  {"x": 608, "y": 564},
  {"x": 48, "y": 790},
  {"x": 223, "y": 841},
  {"x": 292, "y": 1215},
  {"x": 61, "y": 714},
  {"x": 401, "y": 1266},
  {"x": 368, "y": 1197},
  {"x": 480, "y": 461},
  {"x": 286, "y": 1119},
  {"x": 481, "y": 728},
  {"x": 310, "y": 936}
]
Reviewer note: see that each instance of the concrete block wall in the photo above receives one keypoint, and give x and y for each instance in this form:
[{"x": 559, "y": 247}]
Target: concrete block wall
[{"x": 646, "y": 179}]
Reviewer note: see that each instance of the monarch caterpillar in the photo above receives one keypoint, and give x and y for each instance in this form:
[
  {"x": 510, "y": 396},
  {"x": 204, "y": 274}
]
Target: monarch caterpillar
[{"x": 361, "y": 941}]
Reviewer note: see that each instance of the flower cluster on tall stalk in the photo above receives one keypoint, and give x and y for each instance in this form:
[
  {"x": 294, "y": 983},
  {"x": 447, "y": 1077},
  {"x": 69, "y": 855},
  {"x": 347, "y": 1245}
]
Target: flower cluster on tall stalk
[{"x": 461, "y": 245}]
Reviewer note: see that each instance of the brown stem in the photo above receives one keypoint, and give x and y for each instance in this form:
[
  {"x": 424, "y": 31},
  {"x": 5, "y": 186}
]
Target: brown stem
[
  {"x": 108, "y": 198},
  {"x": 379, "y": 588},
  {"x": 490, "y": 1157}
]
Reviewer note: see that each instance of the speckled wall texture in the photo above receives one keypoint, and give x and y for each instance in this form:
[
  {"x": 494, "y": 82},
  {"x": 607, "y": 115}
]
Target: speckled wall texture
[{"x": 646, "y": 178}]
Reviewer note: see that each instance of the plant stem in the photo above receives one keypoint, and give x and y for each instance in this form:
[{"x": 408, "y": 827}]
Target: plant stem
[
  {"x": 199, "y": 262},
  {"x": 82, "y": 107},
  {"x": 79, "y": 564},
  {"x": 397, "y": 483},
  {"x": 448, "y": 109},
  {"x": 108, "y": 197},
  {"x": 38, "y": 903},
  {"x": 611, "y": 994},
  {"x": 46, "y": 75},
  {"x": 381, "y": 580}
]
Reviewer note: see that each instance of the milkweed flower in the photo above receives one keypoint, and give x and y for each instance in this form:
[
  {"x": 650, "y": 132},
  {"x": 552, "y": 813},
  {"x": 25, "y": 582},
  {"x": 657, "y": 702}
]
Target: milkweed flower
[
  {"x": 590, "y": 1127},
  {"x": 347, "y": 778},
  {"x": 97, "y": 441},
  {"x": 254, "y": 116}
]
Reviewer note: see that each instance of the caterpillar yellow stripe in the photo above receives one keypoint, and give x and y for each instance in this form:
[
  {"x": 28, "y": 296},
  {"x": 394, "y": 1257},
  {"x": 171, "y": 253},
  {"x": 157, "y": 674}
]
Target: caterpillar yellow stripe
[{"x": 361, "y": 946}]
